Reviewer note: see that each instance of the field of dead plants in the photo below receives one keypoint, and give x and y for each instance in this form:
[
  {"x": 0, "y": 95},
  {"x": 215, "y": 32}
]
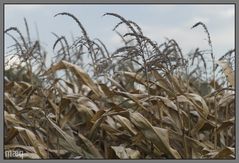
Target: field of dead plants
[{"x": 145, "y": 100}]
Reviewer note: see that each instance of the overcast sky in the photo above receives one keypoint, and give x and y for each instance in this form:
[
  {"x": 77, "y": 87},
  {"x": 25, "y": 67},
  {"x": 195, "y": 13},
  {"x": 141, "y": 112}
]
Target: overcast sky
[{"x": 157, "y": 22}]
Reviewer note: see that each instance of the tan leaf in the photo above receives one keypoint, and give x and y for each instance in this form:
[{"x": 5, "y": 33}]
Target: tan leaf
[
  {"x": 12, "y": 118},
  {"x": 69, "y": 140},
  {"x": 158, "y": 136},
  {"x": 227, "y": 71},
  {"x": 30, "y": 136},
  {"x": 126, "y": 123},
  {"x": 84, "y": 77},
  {"x": 199, "y": 105},
  {"x": 90, "y": 146},
  {"x": 126, "y": 153}
]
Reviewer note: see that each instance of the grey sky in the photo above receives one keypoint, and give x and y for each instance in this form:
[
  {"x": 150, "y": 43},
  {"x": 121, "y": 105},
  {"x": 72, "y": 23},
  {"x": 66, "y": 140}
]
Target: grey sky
[{"x": 156, "y": 21}]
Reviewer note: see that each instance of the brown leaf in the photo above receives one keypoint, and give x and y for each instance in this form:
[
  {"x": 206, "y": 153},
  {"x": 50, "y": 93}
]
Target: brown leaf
[
  {"x": 227, "y": 71},
  {"x": 12, "y": 118},
  {"x": 158, "y": 136},
  {"x": 199, "y": 105},
  {"x": 85, "y": 78},
  {"x": 69, "y": 140},
  {"x": 32, "y": 138},
  {"x": 126, "y": 124},
  {"x": 225, "y": 153},
  {"x": 90, "y": 146},
  {"x": 126, "y": 153}
]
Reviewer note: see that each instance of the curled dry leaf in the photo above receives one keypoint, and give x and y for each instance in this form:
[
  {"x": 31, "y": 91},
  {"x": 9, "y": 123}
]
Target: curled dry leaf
[
  {"x": 126, "y": 153},
  {"x": 35, "y": 142},
  {"x": 199, "y": 105},
  {"x": 158, "y": 136},
  {"x": 12, "y": 118},
  {"x": 225, "y": 153},
  {"x": 227, "y": 71},
  {"x": 90, "y": 147},
  {"x": 226, "y": 99},
  {"x": 68, "y": 139},
  {"x": 84, "y": 77},
  {"x": 126, "y": 124}
]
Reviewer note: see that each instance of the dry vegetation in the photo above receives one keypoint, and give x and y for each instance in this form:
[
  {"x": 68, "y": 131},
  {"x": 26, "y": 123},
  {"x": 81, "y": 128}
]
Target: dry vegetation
[{"x": 143, "y": 101}]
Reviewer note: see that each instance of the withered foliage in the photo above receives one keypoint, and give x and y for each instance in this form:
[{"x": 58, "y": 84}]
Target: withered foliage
[{"x": 142, "y": 101}]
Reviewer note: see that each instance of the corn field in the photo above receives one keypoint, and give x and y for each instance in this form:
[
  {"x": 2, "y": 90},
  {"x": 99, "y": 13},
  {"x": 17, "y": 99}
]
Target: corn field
[{"x": 143, "y": 101}]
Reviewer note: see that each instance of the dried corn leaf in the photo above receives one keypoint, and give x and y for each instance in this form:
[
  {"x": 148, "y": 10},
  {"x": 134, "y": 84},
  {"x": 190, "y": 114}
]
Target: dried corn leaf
[
  {"x": 68, "y": 117},
  {"x": 12, "y": 118},
  {"x": 227, "y": 71},
  {"x": 29, "y": 156},
  {"x": 126, "y": 124},
  {"x": 130, "y": 96},
  {"x": 32, "y": 138},
  {"x": 90, "y": 146},
  {"x": 163, "y": 83},
  {"x": 120, "y": 152},
  {"x": 97, "y": 120},
  {"x": 78, "y": 72},
  {"x": 88, "y": 103},
  {"x": 133, "y": 154},
  {"x": 56, "y": 108},
  {"x": 70, "y": 140},
  {"x": 226, "y": 99},
  {"x": 158, "y": 136},
  {"x": 199, "y": 105},
  {"x": 107, "y": 90},
  {"x": 11, "y": 134},
  {"x": 126, "y": 153},
  {"x": 224, "y": 153},
  {"x": 10, "y": 102},
  {"x": 226, "y": 124},
  {"x": 135, "y": 76},
  {"x": 85, "y": 112},
  {"x": 116, "y": 84}
]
